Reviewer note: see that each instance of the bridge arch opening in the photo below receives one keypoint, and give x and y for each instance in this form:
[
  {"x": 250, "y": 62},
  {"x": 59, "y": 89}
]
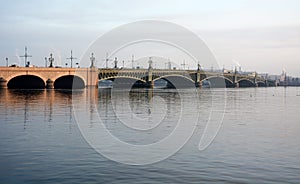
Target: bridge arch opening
[
  {"x": 69, "y": 82},
  {"x": 246, "y": 83},
  {"x": 261, "y": 84},
  {"x": 217, "y": 82},
  {"x": 26, "y": 82},
  {"x": 122, "y": 82},
  {"x": 174, "y": 81}
]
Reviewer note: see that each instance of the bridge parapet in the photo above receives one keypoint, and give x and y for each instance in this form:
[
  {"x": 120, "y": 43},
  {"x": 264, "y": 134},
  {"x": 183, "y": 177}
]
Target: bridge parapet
[
  {"x": 90, "y": 76},
  {"x": 140, "y": 74}
]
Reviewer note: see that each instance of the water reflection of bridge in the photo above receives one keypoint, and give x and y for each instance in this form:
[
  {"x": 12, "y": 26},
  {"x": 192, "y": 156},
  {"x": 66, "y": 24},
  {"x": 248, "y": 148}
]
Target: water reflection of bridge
[
  {"x": 49, "y": 104},
  {"x": 26, "y": 77}
]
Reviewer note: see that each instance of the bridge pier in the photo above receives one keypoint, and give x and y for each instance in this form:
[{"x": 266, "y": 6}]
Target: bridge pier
[
  {"x": 49, "y": 84},
  {"x": 3, "y": 83},
  {"x": 267, "y": 83},
  {"x": 198, "y": 84},
  {"x": 150, "y": 84},
  {"x": 91, "y": 86},
  {"x": 92, "y": 78}
]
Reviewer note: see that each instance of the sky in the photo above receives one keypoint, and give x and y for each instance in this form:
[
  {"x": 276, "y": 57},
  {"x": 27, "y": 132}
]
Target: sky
[{"x": 258, "y": 35}]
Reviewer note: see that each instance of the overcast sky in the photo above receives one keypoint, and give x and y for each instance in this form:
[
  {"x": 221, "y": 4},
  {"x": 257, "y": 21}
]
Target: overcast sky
[{"x": 261, "y": 36}]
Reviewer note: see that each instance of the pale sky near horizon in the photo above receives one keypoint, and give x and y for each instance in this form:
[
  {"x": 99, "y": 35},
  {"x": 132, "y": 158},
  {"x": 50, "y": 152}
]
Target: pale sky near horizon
[{"x": 261, "y": 36}]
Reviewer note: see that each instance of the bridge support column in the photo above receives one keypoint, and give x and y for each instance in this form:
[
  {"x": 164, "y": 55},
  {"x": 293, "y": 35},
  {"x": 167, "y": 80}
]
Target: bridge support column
[
  {"x": 150, "y": 82},
  {"x": 91, "y": 78},
  {"x": 49, "y": 84},
  {"x": 198, "y": 82},
  {"x": 3, "y": 83},
  {"x": 255, "y": 80},
  {"x": 235, "y": 79}
]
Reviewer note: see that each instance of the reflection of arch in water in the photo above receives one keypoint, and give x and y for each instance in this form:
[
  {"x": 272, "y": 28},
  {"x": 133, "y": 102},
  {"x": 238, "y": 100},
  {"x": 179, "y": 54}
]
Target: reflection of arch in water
[
  {"x": 21, "y": 102},
  {"x": 43, "y": 103},
  {"x": 142, "y": 105}
]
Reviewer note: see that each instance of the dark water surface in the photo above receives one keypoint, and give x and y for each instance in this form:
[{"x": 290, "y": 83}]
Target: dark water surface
[{"x": 258, "y": 142}]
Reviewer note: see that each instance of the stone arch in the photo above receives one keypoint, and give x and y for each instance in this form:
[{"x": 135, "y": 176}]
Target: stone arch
[
  {"x": 69, "y": 82},
  {"x": 26, "y": 82},
  {"x": 25, "y": 73}
]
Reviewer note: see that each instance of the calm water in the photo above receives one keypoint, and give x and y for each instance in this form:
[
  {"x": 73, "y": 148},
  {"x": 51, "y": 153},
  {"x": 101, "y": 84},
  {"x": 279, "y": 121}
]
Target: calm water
[{"x": 258, "y": 142}]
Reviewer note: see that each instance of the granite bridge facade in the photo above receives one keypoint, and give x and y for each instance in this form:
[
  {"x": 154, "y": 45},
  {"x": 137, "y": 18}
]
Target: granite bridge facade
[
  {"x": 63, "y": 78},
  {"x": 39, "y": 78}
]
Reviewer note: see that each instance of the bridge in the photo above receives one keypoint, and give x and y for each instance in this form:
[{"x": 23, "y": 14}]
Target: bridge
[
  {"x": 39, "y": 78},
  {"x": 64, "y": 78},
  {"x": 184, "y": 78}
]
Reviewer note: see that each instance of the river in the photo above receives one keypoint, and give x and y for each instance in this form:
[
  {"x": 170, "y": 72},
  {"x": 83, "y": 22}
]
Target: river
[{"x": 257, "y": 139}]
